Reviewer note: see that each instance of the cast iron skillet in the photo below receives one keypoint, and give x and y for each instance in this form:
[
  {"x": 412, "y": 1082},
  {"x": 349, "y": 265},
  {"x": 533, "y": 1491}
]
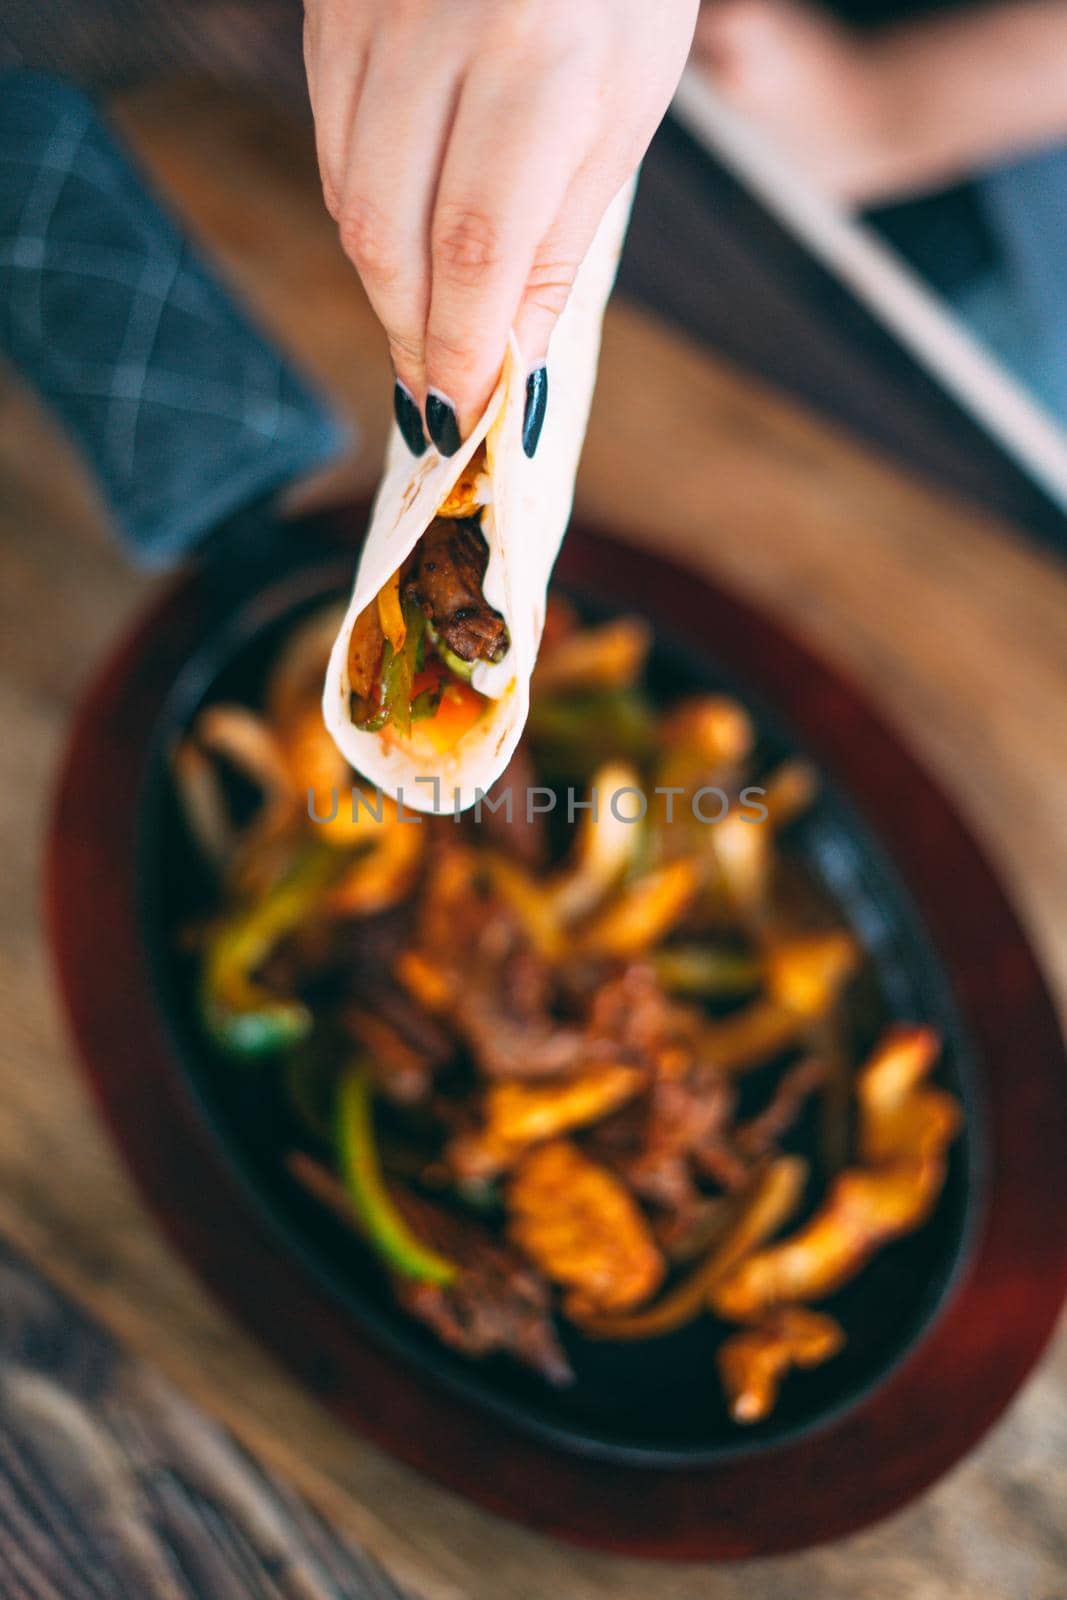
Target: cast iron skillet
[
  {"x": 658, "y": 1400},
  {"x": 943, "y": 949}
]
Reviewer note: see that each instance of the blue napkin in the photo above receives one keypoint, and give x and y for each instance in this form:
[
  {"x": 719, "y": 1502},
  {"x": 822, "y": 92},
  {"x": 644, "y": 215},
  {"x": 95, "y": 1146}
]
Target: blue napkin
[{"x": 186, "y": 412}]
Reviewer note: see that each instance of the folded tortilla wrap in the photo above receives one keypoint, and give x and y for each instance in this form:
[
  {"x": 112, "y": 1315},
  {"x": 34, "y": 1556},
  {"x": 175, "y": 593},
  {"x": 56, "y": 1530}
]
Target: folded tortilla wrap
[{"x": 528, "y": 507}]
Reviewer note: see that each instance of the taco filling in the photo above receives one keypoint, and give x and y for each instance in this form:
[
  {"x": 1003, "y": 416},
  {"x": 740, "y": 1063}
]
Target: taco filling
[{"x": 413, "y": 648}]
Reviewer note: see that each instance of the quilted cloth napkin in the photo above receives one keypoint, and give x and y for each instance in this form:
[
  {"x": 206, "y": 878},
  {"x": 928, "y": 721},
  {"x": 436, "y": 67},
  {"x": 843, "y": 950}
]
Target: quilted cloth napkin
[{"x": 186, "y": 411}]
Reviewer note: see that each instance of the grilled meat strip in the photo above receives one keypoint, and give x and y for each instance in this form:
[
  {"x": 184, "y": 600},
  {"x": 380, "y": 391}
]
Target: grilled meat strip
[
  {"x": 446, "y": 582},
  {"x": 760, "y": 1136},
  {"x": 498, "y": 1301}
]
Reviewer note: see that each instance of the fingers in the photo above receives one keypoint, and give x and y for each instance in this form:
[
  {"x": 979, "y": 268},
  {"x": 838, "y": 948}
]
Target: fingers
[
  {"x": 335, "y": 51},
  {"x": 391, "y": 175},
  {"x": 508, "y": 164},
  {"x": 468, "y": 153}
]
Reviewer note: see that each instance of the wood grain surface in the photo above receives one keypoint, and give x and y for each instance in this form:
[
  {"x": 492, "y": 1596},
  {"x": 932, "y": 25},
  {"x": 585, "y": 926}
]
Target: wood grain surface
[
  {"x": 957, "y": 629},
  {"x": 113, "y": 1487}
]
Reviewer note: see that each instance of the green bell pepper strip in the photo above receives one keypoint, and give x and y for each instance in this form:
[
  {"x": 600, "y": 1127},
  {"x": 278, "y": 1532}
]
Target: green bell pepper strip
[
  {"x": 574, "y": 734},
  {"x": 367, "y": 718},
  {"x": 375, "y": 1209},
  {"x": 242, "y": 1017},
  {"x": 705, "y": 970},
  {"x": 399, "y": 669},
  {"x": 425, "y": 705}
]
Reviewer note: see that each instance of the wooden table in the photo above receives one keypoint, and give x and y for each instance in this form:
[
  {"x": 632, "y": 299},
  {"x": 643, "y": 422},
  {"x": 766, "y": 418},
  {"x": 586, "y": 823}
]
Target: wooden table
[{"x": 955, "y": 626}]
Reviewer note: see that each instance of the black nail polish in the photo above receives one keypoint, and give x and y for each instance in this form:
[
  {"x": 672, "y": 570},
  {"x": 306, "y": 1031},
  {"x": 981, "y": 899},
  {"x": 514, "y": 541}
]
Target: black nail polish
[
  {"x": 533, "y": 416},
  {"x": 442, "y": 423},
  {"x": 408, "y": 419}
]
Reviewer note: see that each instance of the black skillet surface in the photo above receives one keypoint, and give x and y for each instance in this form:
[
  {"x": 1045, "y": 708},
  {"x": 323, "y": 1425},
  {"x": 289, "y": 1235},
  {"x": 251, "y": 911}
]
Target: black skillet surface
[{"x": 656, "y": 1401}]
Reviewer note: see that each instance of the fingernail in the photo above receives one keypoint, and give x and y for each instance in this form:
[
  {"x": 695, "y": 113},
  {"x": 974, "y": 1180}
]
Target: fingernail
[
  {"x": 442, "y": 423},
  {"x": 533, "y": 416},
  {"x": 408, "y": 419}
]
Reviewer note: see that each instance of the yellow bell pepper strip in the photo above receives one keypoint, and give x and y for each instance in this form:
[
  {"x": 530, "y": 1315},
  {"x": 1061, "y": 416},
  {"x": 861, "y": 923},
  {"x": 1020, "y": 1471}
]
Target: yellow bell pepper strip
[
  {"x": 365, "y": 648},
  {"x": 357, "y": 1153},
  {"x": 608, "y": 657},
  {"x": 607, "y": 847},
  {"x": 391, "y": 616},
  {"x": 753, "y": 1363},
  {"x": 643, "y": 911},
  {"x": 242, "y": 1017},
  {"x": 773, "y": 1198},
  {"x": 470, "y": 491}
]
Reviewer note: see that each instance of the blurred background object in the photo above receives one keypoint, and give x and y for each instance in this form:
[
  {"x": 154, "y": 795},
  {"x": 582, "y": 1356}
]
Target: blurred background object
[
  {"x": 722, "y": 256},
  {"x": 187, "y": 414},
  {"x": 946, "y": 123},
  {"x": 114, "y": 44}
]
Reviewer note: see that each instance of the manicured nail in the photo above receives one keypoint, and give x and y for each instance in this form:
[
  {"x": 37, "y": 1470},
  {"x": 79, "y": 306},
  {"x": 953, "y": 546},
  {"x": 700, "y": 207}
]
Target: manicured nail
[
  {"x": 442, "y": 423},
  {"x": 408, "y": 419},
  {"x": 533, "y": 416}
]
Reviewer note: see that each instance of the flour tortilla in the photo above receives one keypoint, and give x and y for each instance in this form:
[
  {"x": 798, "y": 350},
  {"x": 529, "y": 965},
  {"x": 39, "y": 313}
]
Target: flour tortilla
[{"x": 524, "y": 522}]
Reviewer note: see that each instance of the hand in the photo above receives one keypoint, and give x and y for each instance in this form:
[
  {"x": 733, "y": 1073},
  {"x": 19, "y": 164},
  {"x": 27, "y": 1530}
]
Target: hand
[
  {"x": 813, "y": 85},
  {"x": 468, "y": 150},
  {"x": 876, "y": 114}
]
